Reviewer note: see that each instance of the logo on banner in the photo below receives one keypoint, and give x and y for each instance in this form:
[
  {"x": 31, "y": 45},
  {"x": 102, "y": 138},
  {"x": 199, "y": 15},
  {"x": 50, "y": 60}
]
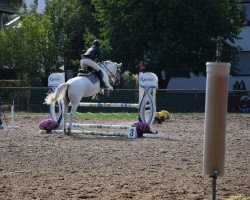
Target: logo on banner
[
  {"x": 148, "y": 79},
  {"x": 55, "y": 79}
]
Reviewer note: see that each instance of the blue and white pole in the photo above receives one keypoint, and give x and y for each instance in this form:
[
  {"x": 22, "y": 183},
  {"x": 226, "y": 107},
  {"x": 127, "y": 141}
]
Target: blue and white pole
[{"x": 148, "y": 83}]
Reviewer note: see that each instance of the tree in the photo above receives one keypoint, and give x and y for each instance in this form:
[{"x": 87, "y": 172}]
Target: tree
[
  {"x": 46, "y": 41},
  {"x": 15, "y": 3},
  {"x": 174, "y": 35},
  {"x": 71, "y": 21},
  {"x": 27, "y": 48}
]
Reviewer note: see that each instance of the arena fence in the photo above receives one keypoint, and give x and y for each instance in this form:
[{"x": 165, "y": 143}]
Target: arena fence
[{"x": 175, "y": 101}]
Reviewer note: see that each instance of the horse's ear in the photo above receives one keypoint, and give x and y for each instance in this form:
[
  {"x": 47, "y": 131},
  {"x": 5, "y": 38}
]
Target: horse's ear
[{"x": 120, "y": 64}]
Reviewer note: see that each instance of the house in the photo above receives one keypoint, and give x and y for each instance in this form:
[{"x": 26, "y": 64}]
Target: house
[
  {"x": 4, "y": 9},
  {"x": 194, "y": 82}
]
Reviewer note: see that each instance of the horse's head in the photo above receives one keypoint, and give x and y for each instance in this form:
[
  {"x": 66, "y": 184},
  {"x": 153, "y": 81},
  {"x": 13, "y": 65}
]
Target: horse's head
[{"x": 113, "y": 70}]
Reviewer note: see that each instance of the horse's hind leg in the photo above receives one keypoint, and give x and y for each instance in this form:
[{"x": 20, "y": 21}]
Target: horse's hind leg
[
  {"x": 65, "y": 111},
  {"x": 72, "y": 112}
]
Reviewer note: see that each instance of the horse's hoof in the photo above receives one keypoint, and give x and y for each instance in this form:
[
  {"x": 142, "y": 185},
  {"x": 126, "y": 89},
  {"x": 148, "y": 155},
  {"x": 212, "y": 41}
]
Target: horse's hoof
[
  {"x": 66, "y": 132},
  {"x": 101, "y": 91}
]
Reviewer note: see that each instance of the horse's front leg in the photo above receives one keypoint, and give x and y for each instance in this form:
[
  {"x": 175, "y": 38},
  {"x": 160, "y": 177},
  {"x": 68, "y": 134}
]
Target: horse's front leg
[{"x": 107, "y": 82}]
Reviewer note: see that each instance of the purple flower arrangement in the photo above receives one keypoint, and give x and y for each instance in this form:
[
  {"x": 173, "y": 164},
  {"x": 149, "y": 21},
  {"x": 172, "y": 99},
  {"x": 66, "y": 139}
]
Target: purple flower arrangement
[
  {"x": 141, "y": 128},
  {"x": 48, "y": 125}
]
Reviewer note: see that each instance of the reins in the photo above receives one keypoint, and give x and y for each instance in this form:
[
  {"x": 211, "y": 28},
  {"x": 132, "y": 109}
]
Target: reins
[{"x": 104, "y": 66}]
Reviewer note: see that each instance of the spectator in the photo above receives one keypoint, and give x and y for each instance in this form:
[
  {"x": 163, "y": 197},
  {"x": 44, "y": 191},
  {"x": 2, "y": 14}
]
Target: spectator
[
  {"x": 243, "y": 88},
  {"x": 236, "y": 86},
  {"x": 237, "y": 95},
  {"x": 245, "y": 104}
]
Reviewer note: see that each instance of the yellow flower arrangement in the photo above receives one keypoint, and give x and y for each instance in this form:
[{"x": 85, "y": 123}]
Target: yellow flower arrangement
[
  {"x": 239, "y": 197},
  {"x": 162, "y": 116},
  {"x": 166, "y": 114}
]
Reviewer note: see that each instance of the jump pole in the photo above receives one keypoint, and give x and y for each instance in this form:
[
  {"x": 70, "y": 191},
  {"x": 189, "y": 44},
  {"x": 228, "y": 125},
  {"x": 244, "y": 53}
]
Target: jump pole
[
  {"x": 111, "y": 105},
  {"x": 96, "y": 133},
  {"x": 79, "y": 125}
]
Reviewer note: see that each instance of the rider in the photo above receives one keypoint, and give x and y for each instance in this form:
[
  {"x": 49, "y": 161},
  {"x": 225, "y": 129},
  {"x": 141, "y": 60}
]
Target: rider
[{"x": 90, "y": 57}]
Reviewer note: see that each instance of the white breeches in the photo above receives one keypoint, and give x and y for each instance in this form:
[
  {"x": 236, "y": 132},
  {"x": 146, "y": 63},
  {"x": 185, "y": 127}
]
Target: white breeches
[{"x": 85, "y": 62}]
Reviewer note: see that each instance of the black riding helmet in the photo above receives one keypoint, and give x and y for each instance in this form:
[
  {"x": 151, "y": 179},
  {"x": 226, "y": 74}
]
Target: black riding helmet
[{"x": 97, "y": 43}]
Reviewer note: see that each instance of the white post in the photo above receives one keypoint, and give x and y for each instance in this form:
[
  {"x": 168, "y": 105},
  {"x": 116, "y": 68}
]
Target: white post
[
  {"x": 141, "y": 90},
  {"x": 12, "y": 115}
]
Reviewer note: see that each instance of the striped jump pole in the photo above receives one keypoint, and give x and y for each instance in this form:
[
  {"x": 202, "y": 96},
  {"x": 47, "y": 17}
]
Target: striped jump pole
[
  {"x": 96, "y": 133},
  {"x": 111, "y": 105},
  {"x": 99, "y": 126}
]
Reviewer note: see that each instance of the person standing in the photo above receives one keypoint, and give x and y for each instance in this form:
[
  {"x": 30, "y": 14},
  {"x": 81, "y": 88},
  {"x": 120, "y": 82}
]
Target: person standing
[
  {"x": 237, "y": 96},
  {"x": 243, "y": 88}
]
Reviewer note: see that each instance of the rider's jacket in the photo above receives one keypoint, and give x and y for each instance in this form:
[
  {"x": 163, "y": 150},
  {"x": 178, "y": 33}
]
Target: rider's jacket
[{"x": 93, "y": 53}]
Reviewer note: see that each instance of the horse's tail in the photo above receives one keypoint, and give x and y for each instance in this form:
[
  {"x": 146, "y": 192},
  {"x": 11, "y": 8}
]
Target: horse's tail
[{"x": 57, "y": 95}]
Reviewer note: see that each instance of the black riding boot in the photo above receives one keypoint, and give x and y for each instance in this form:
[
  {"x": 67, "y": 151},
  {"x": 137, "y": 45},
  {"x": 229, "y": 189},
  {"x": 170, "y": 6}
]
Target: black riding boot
[{"x": 99, "y": 76}]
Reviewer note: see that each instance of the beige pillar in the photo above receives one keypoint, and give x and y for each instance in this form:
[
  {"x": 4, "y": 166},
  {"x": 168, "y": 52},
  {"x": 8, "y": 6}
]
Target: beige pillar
[{"x": 215, "y": 118}]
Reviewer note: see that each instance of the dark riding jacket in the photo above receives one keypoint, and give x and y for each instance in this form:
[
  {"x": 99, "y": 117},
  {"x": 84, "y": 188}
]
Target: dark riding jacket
[{"x": 93, "y": 53}]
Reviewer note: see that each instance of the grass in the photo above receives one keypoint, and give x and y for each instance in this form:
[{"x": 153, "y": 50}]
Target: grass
[{"x": 89, "y": 115}]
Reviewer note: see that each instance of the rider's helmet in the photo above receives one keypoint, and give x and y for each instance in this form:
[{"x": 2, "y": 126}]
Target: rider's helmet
[{"x": 97, "y": 43}]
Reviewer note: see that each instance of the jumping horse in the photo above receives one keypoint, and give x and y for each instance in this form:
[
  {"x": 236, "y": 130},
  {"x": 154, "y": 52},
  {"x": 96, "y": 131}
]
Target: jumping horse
[{"x": 76, "y": 88}]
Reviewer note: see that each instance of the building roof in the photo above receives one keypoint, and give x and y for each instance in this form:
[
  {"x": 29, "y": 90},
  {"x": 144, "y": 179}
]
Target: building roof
[{"x": 4, "y": 8}]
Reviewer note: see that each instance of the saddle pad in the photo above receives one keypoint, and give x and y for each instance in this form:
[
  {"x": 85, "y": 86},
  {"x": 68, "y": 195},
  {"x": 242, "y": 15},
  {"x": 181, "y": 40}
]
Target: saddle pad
[{"x": 89, "y": 76}]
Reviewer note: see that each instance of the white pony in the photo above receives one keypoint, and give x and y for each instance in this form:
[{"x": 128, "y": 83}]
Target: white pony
[{"x": 82, "y": 86}]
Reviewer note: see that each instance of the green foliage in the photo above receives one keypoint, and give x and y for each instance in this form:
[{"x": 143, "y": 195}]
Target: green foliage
[
  {"x": 175, "y": 35},
  {"x": 73, "y": 26},
  {"x": 14, "y": 3},
  {"x": 11, "y": 83},
  {"x": 47, "y": 41},
  {"x": 27, "y": 48},
  {"x": 239, "y": 197}
]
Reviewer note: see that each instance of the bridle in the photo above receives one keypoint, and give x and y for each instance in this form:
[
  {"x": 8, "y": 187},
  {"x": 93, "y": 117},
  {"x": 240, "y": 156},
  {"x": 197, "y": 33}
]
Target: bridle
[{"x": 110, "y": 74}]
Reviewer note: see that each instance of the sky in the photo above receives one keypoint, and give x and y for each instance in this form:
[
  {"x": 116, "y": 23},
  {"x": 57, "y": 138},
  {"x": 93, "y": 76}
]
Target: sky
[{"x": 41, "y": 4}]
